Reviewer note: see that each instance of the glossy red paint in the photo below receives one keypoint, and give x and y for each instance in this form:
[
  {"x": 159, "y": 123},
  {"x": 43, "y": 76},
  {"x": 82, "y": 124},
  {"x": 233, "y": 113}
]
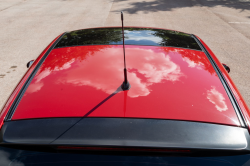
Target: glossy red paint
[
  {"x": 166, "y": 83},
  {"x": 14, "y": 94},
  {"x": 236, "y": 93}
]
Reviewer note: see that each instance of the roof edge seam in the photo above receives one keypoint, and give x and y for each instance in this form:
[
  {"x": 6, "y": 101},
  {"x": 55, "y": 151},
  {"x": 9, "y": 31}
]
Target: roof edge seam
[
  {"x": 30, "y": 78},
  {"x": 224, "y": 83}
]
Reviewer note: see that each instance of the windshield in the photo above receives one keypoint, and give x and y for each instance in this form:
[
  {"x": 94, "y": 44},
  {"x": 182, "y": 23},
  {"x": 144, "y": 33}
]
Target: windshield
[{"x": 17, "y": 157}]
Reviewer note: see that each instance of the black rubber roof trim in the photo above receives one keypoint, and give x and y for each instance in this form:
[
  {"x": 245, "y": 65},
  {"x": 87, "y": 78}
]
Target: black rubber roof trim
[
  {"x": 125, "y": 132},
  {"x": 26, "y": 84},
  {"x": 225, "y": 85}
]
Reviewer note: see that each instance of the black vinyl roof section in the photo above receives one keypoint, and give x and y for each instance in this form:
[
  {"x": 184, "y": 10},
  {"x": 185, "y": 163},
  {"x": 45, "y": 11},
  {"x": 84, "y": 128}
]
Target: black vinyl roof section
[{"x": 133, "y": 36}]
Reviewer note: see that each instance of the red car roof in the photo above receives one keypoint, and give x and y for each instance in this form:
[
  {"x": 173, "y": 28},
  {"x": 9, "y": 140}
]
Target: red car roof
[{"x": 166, "y": 83}]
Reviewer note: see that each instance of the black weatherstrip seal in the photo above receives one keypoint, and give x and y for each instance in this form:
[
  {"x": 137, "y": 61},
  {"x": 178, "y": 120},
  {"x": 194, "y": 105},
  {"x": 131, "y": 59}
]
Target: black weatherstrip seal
[
  {"x": 224, "y": 83},
  {"x": 26, "y": 84}
]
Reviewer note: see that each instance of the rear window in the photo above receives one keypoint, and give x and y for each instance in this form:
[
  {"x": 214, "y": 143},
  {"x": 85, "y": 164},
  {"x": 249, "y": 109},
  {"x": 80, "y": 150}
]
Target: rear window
[
  {"x": 17, "y": 157},
  {"x": 133, "y": 36}
]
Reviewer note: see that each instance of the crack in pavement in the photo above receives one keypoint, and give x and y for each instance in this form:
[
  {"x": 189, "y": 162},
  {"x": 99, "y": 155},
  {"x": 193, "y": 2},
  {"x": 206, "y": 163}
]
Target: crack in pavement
[{"x": 11, "y": 6}]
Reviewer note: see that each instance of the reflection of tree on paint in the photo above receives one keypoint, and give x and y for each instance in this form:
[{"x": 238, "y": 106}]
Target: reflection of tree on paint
[
  {"x": 102, "y": 68},
  {"x": 61, "y": 61},
  {"x": 193, "y": 59},
  {"x": 143, "y": 71}
]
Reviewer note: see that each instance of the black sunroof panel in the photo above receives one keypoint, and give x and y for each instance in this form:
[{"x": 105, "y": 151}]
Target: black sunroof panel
[{"x": 133, "y": 36}]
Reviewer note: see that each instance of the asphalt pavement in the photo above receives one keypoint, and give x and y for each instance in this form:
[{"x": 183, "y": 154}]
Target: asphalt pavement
[{"x": 28, "y": 26}]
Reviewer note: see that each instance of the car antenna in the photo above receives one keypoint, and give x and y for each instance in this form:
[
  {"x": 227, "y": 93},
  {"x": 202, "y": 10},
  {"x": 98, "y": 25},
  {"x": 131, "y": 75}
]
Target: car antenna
[{"x": 125, "y": 84}]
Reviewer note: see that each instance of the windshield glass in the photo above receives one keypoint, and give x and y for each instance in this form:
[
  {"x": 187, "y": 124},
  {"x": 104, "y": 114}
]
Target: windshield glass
[{"x": 18, "y": 157}]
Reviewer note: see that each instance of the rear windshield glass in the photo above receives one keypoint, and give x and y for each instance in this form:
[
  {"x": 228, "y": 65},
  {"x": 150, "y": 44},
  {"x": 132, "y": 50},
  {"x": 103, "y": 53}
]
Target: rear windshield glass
[
  {"x": 133, "y": 36},
  {"x": 17, "y": 157}
]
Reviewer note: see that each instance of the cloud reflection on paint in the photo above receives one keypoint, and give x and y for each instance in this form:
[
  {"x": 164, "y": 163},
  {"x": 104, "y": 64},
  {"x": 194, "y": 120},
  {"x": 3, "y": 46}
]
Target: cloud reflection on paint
[
  {"x": 103, "y": 69},
  {"x": 38, "y": 84},
  {"x": 197, "y": 61},
  {"x": 154, "y": 67},
  {"x": 217, "y": 99},
  {"x": 191, "y": 64}
]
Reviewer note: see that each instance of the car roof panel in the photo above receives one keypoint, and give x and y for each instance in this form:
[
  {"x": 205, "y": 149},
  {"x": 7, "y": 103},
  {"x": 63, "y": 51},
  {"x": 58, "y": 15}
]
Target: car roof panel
[{"x": 166, "y": 83}]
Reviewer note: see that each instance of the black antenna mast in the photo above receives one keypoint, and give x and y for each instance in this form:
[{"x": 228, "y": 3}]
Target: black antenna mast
[{"x": 125, "y": 84}]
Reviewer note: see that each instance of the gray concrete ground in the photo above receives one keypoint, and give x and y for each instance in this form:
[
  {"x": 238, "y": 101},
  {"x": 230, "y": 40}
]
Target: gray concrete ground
[{"x": 28, "y": 26}]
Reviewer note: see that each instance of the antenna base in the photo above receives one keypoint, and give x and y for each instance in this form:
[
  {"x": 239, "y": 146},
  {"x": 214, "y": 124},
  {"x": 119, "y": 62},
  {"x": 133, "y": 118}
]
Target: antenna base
[{"x": 125, "y": 86}]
